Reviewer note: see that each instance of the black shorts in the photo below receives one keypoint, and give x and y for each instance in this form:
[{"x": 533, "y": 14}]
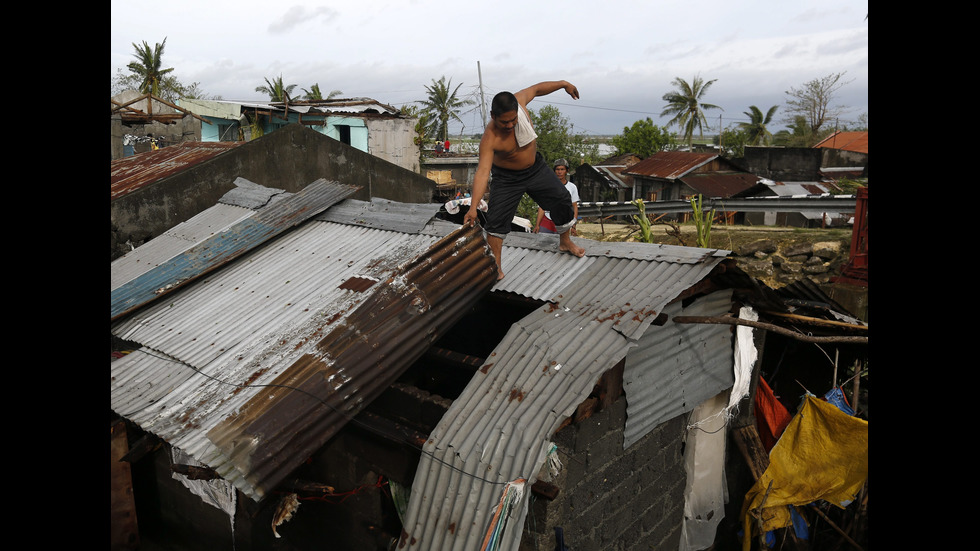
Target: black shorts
[{"x": 540, "y": 182}]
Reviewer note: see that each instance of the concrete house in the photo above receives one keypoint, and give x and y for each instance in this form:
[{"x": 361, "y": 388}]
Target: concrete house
[
  {"x": 362, "y": 123},
  {"x": 797, "y": 172}
]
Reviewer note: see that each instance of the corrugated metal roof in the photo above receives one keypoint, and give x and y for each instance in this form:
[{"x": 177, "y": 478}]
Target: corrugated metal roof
[
  {"x": 847, "y": 141},
  {"x": 133, "y": 172},
  {"x": 795, "y": 189},
  {"x": 254, "y": 367},
  {"x": 670, "y": 164},
  {"x": 226, "y": 246},
  {"x": 498, "y": 430},
  {"x": 720, "y": 184},
  {"x": 175, "y": 241},
  {"x": 348, "y": 105}
]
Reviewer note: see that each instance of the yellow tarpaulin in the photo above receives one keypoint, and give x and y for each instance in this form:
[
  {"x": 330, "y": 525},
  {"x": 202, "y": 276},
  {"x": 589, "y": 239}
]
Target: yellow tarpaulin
[{"x": 822, "y": 454}]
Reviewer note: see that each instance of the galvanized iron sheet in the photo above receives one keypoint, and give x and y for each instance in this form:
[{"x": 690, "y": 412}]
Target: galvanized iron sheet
[
  {"x": 133, "y": 172},
  {"x": 498, "y": 430},
  {"x": 669, "y": 164},
  {"x": 254, "y": 367},
  {"x": 382, "y": 214},
  {"x": 174, "y": 242},
  {"x": 664, "y": 380},
  {"x": 226, "y": 246}
]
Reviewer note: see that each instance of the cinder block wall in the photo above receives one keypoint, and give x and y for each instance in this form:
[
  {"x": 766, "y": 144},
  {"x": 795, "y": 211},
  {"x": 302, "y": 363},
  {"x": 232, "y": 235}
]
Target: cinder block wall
[{"x": 611, "y": 498}]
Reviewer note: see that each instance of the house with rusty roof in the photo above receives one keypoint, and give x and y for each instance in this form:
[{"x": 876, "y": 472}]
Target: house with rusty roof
[{"x": 681, "y": 175}]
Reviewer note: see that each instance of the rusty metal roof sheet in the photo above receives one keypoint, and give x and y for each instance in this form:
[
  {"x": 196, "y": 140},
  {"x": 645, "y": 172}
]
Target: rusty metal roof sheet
[
  {"x": 670, "y": 164},
  {"x": 133, "y": 172},
  {"x": 300, "y": 333},
  {"x": 498, "y": 430},
  {"x": 848, "y": 141},
  {"x": 720, "y": 184}
]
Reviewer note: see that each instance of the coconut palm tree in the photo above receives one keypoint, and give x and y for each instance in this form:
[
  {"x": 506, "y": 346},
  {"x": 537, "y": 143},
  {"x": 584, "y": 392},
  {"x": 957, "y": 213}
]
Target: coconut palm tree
[
  {"x": 276, "y": 89},
  {"x": 756, "y": 129},
  {"x": 686, "y": 107},
  {"x": 314, "y": 93},
  {"x": 147, "y": 67},
  {"x": 441, "y": 106}
]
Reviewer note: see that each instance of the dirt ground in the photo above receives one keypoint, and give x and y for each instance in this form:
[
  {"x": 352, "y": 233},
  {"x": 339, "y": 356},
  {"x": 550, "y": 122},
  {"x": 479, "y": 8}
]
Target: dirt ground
[{"x": 722, "y": 236}]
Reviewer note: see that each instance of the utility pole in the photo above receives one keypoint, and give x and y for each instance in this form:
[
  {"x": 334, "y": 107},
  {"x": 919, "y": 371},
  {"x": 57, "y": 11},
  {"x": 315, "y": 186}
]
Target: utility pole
[{"x": 483, "y": 105}]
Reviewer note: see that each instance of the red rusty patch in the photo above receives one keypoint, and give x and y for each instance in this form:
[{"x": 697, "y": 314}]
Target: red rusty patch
[
  {"x": 357, "y": 283},
  {"x": 516, "y": 394},
  {"x": 258, "y": 373},
  {"x": 452, "y": 528},
  {"x": 485, "y": 368}
]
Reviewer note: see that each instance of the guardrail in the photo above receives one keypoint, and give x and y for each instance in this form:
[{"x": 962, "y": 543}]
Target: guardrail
[{"x": 807, "y": 203}]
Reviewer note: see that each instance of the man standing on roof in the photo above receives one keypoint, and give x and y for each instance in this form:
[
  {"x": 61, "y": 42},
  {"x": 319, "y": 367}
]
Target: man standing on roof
[
  {"x": 543, "y": 224},
  {"x": 508, "y": 151}
]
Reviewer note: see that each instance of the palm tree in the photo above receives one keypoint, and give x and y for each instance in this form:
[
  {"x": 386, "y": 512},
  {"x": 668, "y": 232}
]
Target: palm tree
[
  {"x": 314, "y": 93},
  {"x": 441, "y": 106},
  {"x": 756, "y": 127},
  {"x": 276, "y": 89},
  {"x": 686, "y": 107},
  {"x": 147, "y": 67}
]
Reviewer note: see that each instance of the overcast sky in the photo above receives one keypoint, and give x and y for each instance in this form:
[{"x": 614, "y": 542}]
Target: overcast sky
[{"x": 621, "y": 54}]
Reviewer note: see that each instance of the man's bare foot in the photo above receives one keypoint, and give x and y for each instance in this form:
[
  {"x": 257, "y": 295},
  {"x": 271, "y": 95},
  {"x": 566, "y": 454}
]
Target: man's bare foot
[
  {"x": 500, "y": 275},
  {"x": 574, "y": 249},
  {"x": 566, "y": 245}
]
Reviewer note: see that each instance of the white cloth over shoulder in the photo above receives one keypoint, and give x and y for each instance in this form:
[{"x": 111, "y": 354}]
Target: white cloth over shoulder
[{"x": 524, "y": 131}]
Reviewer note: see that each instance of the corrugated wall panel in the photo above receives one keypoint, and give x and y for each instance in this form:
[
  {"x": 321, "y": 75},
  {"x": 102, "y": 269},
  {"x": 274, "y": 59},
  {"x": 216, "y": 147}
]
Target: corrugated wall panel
[{"x": 677, "y": 366}]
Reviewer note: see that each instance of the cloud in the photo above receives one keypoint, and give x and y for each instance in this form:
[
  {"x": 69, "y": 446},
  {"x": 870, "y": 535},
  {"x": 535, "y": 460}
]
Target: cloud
[{"x": 297, "y": 15}]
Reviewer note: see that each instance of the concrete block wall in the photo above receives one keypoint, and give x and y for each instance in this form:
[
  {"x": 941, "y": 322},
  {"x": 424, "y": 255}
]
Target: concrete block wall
[
  {"x": 290, "y": 158},
  {"x": 611, "y": 498}
]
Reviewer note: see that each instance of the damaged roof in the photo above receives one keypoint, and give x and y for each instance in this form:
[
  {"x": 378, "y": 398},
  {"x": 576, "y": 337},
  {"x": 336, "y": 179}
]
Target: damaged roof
[
  {"x": 497, "y": 431},
  {"x": 333, "y": 311},
  {"x": 252, "y": 367},
  {"x": 131, "y": 173}
]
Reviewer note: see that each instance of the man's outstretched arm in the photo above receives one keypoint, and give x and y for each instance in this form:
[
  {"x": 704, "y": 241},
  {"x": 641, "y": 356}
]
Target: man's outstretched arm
[{"x": 545, "y": 88}]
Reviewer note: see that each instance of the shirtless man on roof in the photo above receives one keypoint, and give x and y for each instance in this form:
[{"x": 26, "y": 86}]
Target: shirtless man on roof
[{"x": 508, "y": 151}]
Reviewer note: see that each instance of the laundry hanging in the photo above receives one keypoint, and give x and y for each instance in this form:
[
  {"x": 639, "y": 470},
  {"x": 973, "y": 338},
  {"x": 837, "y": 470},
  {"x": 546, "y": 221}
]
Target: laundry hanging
[{"x": 822, "y": 455}]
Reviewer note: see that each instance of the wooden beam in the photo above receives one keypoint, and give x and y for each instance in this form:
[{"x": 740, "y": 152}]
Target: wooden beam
[
  {"x": 729, "y": 320},
  {"x": 123, "y": 528}
]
